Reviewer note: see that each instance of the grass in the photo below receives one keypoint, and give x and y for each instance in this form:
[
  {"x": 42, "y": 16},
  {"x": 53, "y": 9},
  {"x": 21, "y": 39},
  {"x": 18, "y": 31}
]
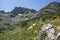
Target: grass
[
  {"x": 22, "y": 33},
  {"x": 56, "y": 21}
]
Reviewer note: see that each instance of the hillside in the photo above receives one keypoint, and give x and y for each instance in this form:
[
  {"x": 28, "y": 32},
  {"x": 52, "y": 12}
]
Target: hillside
[
  {"x": 31, "y": 25},
  {"x": 9, "y": 20}
]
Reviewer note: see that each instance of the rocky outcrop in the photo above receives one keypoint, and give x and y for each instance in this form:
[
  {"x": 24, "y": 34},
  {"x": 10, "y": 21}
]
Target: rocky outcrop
[{"x": 48, "y": 33}]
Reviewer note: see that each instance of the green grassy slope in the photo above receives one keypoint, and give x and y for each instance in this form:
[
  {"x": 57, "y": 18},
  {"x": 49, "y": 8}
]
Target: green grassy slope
[{"x": 24, "y": 33}]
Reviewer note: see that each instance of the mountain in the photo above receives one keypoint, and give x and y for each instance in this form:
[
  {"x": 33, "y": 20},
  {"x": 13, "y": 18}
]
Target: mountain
[
  {"x": 8, "y": 20},
  {"x": 31, "y": 25},
  {"x": 51, "y": 7},
  {"x": 22, "y": 10},
  {"x": 19, "y": 15}
]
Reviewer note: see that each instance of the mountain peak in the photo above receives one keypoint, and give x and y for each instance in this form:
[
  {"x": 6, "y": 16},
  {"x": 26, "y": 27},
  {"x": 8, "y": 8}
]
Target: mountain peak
[
  {"x": 57, "y": 4},
  {"x": 22, "y": 10},
  {"x": 52, "y": 6}
]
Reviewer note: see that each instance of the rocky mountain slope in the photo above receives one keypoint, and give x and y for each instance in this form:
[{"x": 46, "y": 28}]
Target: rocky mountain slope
[
  {"x": 29, "y": 25},
  {"x": 8, "y": 20},
  {"x": 22, "y": 10},
  {"x": 50, "y": 16}
]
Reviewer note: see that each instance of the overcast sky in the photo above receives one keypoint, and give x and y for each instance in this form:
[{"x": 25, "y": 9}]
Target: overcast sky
[{"x": 8, "y": 5}]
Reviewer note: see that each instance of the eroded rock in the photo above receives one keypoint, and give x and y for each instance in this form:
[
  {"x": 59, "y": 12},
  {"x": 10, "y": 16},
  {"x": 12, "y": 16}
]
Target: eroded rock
[
  {"x": 46, "y": 26},
  {"x": 48, "y": 32}
]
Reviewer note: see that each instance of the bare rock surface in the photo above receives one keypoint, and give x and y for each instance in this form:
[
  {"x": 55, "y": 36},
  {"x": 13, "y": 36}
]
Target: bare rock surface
[{"x": 48, "y": 32}]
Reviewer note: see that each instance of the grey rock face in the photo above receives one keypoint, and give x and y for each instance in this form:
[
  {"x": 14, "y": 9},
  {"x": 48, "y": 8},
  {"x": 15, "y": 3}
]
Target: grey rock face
[
  {"x": 50, "y": 33},
  {"x": 47, "y": 32},
  {"x": 46, "y": 27}
]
